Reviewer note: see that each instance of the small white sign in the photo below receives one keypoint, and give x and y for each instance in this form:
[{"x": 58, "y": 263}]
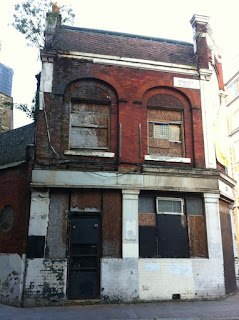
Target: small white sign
[
  {"x": 130, "y": 232},
  {"x": 186, "y": 83}
]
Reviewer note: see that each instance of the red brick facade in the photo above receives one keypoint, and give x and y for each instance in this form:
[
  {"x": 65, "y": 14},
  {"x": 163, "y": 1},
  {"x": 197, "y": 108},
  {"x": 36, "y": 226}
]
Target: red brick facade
[
  {"x": 129, "y": 90},
  {"x": 15, "y": 191}
]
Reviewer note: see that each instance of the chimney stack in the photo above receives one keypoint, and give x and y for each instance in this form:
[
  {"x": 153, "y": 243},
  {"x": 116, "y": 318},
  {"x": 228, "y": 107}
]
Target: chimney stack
[
  {"x": 201, "y": 32},
  {"x": 53, "y": 20}
]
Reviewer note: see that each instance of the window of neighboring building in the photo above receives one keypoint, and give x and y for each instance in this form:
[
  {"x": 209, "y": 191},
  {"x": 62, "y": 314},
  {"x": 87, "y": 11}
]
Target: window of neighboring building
[
  {"x": 236, "y": 151},
  {"x": 165, "y": 132},
  {"x": 7, "y": 217},
  {"x": 174, "y": 229},
  {"x": 235, "y": 121},
  {"x": 89, "y": 126},
  {"x": 233, "y": 89}
]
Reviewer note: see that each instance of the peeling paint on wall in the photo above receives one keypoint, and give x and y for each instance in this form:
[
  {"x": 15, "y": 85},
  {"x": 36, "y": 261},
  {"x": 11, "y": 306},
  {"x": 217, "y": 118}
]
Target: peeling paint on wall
[
  {"x": 11, "y": 274},
  {"x": 45, "y": 281}
]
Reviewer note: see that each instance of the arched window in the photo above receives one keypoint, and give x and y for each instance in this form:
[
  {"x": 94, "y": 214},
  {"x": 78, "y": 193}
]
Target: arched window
[
  {"x": 92, "y": 104},
  {"x": 165, "y": 126}
]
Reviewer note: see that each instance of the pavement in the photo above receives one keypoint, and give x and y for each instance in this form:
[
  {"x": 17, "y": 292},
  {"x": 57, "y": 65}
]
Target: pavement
[{"x": 175, "y": 310}]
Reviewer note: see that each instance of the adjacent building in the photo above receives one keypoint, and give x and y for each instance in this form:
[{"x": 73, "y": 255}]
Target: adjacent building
[
  {"x": 128, "y": 199},
  {"x": 232, "y": 86},
  {"x": 6, "y": 110}
]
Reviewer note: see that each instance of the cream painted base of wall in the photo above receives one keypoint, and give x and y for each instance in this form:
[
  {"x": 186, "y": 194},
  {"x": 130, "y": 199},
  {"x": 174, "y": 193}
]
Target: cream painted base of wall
[
  {"x": 160, "y": 279},
  {"x": 129, "y": 279}
]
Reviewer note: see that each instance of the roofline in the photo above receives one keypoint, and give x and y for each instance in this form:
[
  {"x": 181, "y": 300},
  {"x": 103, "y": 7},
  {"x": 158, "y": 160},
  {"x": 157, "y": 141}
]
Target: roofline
[
  {"x": 6, "y": 94},
  {"x": 127, "y": 35},
  {"x": 10, "y": 69}
]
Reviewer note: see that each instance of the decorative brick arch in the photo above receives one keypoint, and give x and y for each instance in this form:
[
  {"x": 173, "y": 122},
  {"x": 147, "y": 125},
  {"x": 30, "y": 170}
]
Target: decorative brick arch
[
  {"x": 166, "y": 90},
  {"x": 90, "y": 89},
  {"x": 71, "y": 79}
]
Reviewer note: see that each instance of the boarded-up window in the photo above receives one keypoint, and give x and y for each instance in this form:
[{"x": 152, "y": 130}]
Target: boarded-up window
[
  {"x": 146, "y": 205},
  {"x": 89, "y": 126},
  {"x": 172, "y": 227},
  {"x": 147, "y": 242},
  {"x": 112, "y": 224},
  {"x": 172, "y": 236},
  {"x": 197, "y": 236},
  {"x": 165, "y": 132},
  {"x": 194, "y": 206}
]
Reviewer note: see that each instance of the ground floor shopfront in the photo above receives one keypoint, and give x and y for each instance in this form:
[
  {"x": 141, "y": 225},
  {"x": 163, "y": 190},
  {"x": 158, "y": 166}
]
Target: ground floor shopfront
[{"x": 124, "y": 237}]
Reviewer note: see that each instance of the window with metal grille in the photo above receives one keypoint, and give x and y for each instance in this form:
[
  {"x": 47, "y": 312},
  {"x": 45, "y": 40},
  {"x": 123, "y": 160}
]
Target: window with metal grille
[
  {"x": 165, "y": 132},
  {"x": 169, "y": 205}
]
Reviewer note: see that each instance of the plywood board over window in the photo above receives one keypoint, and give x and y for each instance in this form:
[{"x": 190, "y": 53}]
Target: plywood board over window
[
  {"x": 89, "y": 126},
  {"x": 165, "y": 132},
  {"x": 172, "y": 227}
]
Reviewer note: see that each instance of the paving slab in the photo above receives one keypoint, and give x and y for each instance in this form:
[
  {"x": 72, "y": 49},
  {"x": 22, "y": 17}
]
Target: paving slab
[{"x": 224, "y": 309}]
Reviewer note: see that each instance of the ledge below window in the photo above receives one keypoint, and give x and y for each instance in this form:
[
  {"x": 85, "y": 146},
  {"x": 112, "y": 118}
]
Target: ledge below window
[
  {"x": 166, "y": 158},
  {"x": 101, "y": 154}
]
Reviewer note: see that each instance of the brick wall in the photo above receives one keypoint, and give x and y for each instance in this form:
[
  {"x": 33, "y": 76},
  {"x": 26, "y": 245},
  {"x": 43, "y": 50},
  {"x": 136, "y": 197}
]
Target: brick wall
[
  {"x": 129, "y": 88},
  {"x": 14, "y": 191}
]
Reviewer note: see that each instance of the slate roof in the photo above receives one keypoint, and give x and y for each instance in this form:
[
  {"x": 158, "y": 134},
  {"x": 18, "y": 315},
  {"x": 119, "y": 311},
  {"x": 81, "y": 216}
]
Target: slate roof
[
  {"x": 123, "y": 45},
  {"x": 13, "y": 144}
]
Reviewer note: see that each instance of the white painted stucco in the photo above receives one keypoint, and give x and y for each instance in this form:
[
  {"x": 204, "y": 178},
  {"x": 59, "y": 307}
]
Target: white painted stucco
[
  {"x": 39, "y": 212},
  {"x": 130, "y": 234},
  {"x": 226, "y": 190},
  {"x": 46, "y": 82},
  {"x": 180, "y": 181},
  {"x": 153, "y": 157},
  {"x": 46, "y": 77},
  {"x": 12, "y": 268},
  {"x": 159, "y": 279},
  {"x": 119, "y": 279},
  {"x": 213, "y": 226},
  {"x": 210, "y": 104}
]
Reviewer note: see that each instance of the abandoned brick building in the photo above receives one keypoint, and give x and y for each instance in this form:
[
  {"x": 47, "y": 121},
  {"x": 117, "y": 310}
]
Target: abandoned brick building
[{"x": 128, "y": 201}]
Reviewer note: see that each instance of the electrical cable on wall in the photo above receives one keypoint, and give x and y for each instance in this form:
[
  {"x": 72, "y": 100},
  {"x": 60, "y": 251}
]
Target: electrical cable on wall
[{"x": 47, "y": 126}]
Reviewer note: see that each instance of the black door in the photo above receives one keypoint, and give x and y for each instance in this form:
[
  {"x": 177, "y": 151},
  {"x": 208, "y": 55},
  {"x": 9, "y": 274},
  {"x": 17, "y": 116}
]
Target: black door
[{"x": 84, "y": 258}]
